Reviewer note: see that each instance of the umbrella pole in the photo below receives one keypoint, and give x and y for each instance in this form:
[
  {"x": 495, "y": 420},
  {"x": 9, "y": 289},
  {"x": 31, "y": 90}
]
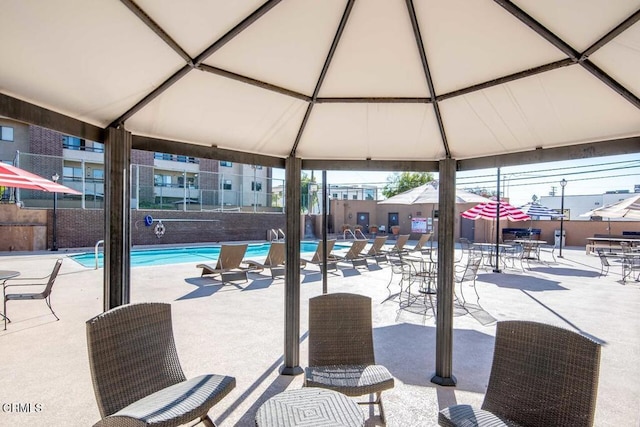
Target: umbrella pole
[{"x": 497, "y": 267}]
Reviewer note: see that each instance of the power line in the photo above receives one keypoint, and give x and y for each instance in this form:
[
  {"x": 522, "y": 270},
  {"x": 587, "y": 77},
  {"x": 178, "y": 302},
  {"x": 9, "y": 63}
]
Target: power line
[{"x": 531, "y": 180}]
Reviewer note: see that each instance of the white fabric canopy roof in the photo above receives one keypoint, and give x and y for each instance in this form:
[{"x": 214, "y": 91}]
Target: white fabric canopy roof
[
  {"x": 334, "y": 79},
  {"x": 428, "y": 193},
  {"x": 628, "y": 208}
]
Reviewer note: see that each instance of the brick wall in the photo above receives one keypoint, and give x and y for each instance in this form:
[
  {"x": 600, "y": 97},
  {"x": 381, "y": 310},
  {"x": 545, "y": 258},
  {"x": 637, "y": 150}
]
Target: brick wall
[
  {"x": 45, "y": 141},
  {"x": 83, "y": 228}
]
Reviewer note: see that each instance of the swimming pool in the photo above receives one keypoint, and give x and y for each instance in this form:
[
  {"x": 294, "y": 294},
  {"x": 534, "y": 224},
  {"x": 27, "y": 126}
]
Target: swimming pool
[{"x": 148, "y": 257}]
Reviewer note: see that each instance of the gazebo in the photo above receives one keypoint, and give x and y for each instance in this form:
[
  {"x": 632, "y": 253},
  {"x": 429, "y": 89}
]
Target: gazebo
[{"x": 414, "y": 85}]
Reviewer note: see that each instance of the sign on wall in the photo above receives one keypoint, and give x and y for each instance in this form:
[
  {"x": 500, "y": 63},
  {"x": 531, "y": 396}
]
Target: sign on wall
[{"x": 418, "y": 225}]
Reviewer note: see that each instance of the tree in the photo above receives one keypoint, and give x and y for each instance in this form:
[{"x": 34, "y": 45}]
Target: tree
[
  {"x": 482, "y": 191},
  {"x": 305, "y": 182},
  {"x": 401, "y": 182}
]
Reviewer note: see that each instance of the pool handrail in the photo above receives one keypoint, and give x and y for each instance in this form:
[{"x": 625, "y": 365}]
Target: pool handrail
[{"x": 95, "y": 250}]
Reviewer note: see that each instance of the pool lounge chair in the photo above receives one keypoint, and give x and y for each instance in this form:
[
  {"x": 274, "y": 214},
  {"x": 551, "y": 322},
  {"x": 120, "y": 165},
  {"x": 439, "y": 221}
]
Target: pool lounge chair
[
  {"x": 228, "y": 265},
  {"x": 317, "y": 257},
  {"x": 398, "y": 248},
  {"x": 355, "y": 254},
  {"x": 376, "y": 252},
  {"x": 274, "y": 260},
  {"x": 419, "y": 247}
]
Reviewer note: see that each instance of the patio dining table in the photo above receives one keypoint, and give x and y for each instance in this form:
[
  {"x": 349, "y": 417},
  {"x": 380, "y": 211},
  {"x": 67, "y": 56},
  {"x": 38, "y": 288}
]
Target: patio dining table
[
  {"x": 488, "y": 251},
  {"x": 629, "y": 261},
  {"x": 530, "y": 247}
]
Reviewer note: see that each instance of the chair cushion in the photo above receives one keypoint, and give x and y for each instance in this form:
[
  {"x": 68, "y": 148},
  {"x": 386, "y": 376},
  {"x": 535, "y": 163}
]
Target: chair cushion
[
  {"x": 174, "y": 405},
  {"x": 352, "y": 380},
  {"x": 468, "y": 416}
]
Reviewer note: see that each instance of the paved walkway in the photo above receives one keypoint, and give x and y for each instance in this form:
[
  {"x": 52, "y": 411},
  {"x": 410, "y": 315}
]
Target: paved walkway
[{"x": 238, "y": 330}]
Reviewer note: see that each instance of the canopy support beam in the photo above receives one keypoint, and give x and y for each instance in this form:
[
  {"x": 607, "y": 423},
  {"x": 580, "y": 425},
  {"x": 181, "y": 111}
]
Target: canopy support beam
[
  {"x": 291, "y": 365},
  {"x": 446, "y": 255},
  {"x": 117, "y": 217}
]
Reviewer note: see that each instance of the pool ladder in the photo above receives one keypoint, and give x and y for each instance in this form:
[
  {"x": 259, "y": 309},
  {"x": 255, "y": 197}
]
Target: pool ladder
[
  {"x": 95, "y": 250},
  {"x": 274, "y": 235}
]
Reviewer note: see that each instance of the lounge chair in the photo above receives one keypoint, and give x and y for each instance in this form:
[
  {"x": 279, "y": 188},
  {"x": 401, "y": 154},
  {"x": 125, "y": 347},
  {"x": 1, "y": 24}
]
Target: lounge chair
[
  {"x": 419, "y": 247},
  {"x": 354, "y": 254},
  {"x": 376, "y": 252},
  {"x": 45, "y": 294},
  {"x": 541, "y": 375},
  {"x": 398, "y": 248},
  {"x": 274, "y": 260},
  {"x": 317, "y": 257},
  {"x": 228, "y": 265},
  {"x": 341, "y": 355},
  {"x": 136, "y": 373}
]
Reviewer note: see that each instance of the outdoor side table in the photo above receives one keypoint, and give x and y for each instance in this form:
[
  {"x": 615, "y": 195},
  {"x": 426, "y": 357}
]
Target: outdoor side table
[{"x": 309, "y": 406}]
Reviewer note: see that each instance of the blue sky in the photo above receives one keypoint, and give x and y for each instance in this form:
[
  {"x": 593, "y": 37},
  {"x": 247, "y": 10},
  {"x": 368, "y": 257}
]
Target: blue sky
[{"x": 520, "y": 183}]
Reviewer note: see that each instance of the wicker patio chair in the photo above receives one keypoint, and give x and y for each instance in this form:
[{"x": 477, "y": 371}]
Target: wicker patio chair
[
  {"x": 341, "y": 355},
  {"x": 541, "y": 375},
  {"x": 136, "y": 374},
  {"x": 45, "y": 294},
  {"x": 228, "y": 265}
]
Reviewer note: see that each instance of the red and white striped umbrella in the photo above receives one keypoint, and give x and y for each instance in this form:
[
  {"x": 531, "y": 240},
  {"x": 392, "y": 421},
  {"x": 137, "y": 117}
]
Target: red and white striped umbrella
[
  {"x": 487, "y": 210},
  {"x": 11, "y": 176}
]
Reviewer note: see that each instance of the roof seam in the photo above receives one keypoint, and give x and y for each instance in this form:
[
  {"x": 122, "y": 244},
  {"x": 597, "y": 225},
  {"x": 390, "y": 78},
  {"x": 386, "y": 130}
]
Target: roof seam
[{"x": 427, "y": 73}]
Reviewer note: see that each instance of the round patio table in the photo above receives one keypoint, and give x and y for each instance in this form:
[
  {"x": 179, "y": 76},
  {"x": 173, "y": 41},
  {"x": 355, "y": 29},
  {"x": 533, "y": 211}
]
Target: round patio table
[{"x": 309, "y": 406}]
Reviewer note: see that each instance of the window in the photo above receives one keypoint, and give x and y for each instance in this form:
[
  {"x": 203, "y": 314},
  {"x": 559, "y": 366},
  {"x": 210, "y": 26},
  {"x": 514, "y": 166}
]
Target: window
[
  {"x": 162, "y": 156},
  {"x": 98, "y": 147},
  {"x": 256, "y": 186},
  {"x": 162, "y": 180},
  {"x": 334, "y": 196},
  {"x": 345, "y": 196},
  {"x": 226, "y": 164},
  {"x": 72, "y": 143},
  {"x": 6, "y": 133},
  {"x": 354, "y": 197},
  {"x": 70, "y": 173},
  {"x": 98, "y": 175},
  {"x": 226, "y": 184}
]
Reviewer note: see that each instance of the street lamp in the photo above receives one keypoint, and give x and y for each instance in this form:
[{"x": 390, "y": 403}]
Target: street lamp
[
  {"x": 563, "y": 184},
  {"x": 54, "y": 246}
]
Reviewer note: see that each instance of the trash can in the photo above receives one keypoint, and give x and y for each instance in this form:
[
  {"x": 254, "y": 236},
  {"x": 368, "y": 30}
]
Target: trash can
[{"x": 557, "y": 238}]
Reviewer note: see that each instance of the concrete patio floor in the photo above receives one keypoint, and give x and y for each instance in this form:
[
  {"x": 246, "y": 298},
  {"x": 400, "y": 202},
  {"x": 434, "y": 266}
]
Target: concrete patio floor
[{"x": 238, "y": 330}]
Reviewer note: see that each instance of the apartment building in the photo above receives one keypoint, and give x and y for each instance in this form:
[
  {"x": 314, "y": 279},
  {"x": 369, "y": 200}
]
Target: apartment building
[{"x": 159, "y": 180}]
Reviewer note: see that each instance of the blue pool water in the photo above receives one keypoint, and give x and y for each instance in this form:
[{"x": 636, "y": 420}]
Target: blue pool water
[{"x": 165, "y": 256}]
